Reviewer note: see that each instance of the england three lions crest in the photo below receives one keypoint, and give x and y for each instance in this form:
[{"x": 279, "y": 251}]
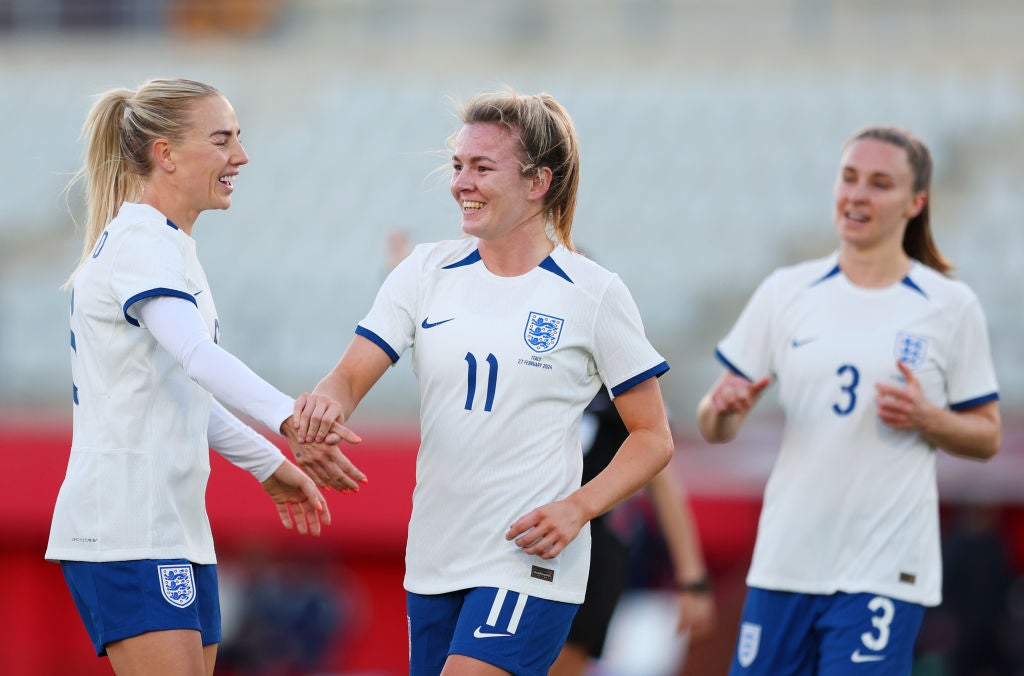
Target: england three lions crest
[
  {"x": 911, "y": 349},
  {"x": 178, "y": 584},
  {"x": 542, "y": 332}
]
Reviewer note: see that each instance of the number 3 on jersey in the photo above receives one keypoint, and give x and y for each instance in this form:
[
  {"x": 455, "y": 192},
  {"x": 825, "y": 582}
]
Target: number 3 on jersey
[
  {"x": 492, "y": 380},
  {"x": 849, "y": 378}
]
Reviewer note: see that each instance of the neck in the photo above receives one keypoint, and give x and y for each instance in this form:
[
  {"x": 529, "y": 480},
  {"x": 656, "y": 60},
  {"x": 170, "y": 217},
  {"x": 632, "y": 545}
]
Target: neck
[
  {"x": 177, "y": 213},
  {"x": 873, "y": 269},
  {"x": 511, "y": 258}
]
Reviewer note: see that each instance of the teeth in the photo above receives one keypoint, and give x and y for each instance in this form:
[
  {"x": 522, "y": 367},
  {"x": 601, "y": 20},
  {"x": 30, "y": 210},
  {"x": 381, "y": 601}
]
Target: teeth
[
  {"x": 472, "y": 205},
  {"x": 860, "y": 218},
  {"x": 228, "y": 180}
]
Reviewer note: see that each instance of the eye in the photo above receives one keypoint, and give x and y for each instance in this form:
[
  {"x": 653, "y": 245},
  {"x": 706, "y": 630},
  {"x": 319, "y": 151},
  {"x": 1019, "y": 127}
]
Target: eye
[{"x": 456, "y": 167}]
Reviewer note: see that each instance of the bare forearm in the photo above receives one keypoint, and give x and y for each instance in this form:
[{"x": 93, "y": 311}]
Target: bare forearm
[
  {"x": 678, "y": 526},
  {"x": 644, "y": 453},
  {"x": 973, "y": 434}
]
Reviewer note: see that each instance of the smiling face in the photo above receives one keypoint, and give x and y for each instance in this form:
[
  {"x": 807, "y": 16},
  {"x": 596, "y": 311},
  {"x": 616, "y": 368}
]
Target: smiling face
[
  {"x": 207, "y": 160},
  {"x": 874, "y": 195},
  {"x": 495, "y": 199}
]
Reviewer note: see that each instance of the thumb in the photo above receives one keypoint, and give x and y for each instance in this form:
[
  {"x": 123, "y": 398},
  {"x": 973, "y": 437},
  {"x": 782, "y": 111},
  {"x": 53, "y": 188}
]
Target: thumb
[{"x": 758, "y": 387}]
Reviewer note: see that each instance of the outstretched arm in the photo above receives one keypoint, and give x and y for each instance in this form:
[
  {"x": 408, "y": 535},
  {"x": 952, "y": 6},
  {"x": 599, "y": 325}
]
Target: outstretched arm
[
  {"x": 340, "y": 391},
  {"x": 726, "y": 405}
]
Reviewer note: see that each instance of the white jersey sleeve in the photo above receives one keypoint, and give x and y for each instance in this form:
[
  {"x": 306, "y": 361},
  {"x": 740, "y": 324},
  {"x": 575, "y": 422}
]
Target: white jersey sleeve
[
  {"x": 747, "y": 349},
  {"x": 971, "y": 378},
  {"x": 393, "y": 314},
  {"x": 620, "y": 340}
]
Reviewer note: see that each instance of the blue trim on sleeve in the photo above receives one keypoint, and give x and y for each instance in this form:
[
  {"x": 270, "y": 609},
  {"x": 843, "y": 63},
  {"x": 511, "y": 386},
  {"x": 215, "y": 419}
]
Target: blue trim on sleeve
[
  {"x": 550, "y": 265},
  {"x": 637, "y": 379},
  {"x": 468, "y": 260},
  {"x": 908, "y": 282},
  {"x": 974, "y": 403},
  {"x": 74, "y": 393},
  {"x": 732, "y": 367},
  {"x": 379, "y": 342},
  {"x": 160, "y": 291},
  {"x": 73, "y": 346}
]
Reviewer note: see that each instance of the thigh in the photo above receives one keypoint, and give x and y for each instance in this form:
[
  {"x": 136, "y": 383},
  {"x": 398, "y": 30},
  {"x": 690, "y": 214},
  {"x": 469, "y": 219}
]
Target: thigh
[
  {"x": 518, "y": 633},
  {"x": 122, "y": 599},
  {"x": 868, "y": 634},
  {"x": 776, "y": 636},
  {"x": 432, "y": 619}
]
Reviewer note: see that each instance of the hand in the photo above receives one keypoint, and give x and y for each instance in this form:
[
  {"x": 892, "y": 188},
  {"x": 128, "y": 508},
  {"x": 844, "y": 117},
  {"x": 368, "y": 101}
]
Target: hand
[
  {"x": 299, "y": 504},
  {"x": 903, "y": 408},
  {"x": 325, "y": 463},
  {"x": 547, "y": 530},
  {"x": 320, "y": 419},
  {"x": 735, "y": 394},
  {"x": 696, "y": 613}
]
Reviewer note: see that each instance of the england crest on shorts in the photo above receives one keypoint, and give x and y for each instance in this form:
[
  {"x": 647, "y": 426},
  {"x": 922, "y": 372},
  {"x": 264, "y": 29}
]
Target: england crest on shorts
[
  {"x": 177, "y": 584},
  {"x": 911, "y": 349},
  {"x": 750, "y": 639},
  {"x": 542, "y": 331}
]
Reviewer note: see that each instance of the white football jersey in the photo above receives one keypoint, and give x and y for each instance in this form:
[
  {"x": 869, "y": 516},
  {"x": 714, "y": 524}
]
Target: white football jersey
[
  {"x": 506, "y": 366},
  {"x": 852, "y": 505},
  {"x": 136, "y": 479}
]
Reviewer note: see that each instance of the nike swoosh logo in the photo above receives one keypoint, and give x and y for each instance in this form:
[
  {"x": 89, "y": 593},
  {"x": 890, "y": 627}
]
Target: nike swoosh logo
[
  {"x": 428, "y": 325},
  {"x": 857, "y": 657},
  {"x": 486, "y": 634},
  {"x": 801, "y": 343}
]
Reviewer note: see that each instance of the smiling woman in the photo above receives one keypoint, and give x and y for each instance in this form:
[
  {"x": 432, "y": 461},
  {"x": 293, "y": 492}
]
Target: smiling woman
[
  {"x": 512, "y": 333},
  {"x": 130, "y": 527},
  {"x": 881, "y": 359}
]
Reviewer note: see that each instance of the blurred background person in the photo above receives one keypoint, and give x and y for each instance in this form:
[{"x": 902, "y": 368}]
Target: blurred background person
[
  {"x": 881, "y": 359},
  {"x": 601, "y": 435}
]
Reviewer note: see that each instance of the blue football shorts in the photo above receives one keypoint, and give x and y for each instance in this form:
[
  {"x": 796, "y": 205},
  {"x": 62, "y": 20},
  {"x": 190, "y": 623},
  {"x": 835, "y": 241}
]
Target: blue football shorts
[
  {"x": 519, "y": 633},
  {"x": 121, "y": 599},
  {"x": 786, "y": 633}
]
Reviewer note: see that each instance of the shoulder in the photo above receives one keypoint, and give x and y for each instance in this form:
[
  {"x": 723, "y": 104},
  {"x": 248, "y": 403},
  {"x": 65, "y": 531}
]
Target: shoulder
[
  {"x": 788, "y": 282},
  {"x": 583, "y": 273},
  {"x": 805, "y": 274},
  {"x": 940, "y": 289},
  {"x": 140, "y": 222},
  {"x": 449, "y": 253}
]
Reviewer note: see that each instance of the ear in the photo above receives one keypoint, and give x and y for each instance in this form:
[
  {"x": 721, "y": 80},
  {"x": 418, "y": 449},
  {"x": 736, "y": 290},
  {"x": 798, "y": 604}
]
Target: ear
[
  {"x": 540, "y": 183},
  {"x": 917, "y": 204},
  {"x": 162, "y": 155}
]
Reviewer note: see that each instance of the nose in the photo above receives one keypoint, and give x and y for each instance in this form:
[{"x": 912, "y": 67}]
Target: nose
[
  {"x": 241, "y": 157},
  {"x": 460, "y": 181}
]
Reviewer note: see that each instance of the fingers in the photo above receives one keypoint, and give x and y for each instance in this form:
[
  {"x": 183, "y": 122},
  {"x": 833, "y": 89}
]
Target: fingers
[
  {"x": 737, "y": 395},
  {"x": 339, "y": 433},
  {"x": 537, "y": 535},
  {"x": 313, "y": 417}
]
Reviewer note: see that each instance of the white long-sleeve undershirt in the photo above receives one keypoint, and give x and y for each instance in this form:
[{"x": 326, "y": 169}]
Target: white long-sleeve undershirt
[{"x": 178, "y": 327}]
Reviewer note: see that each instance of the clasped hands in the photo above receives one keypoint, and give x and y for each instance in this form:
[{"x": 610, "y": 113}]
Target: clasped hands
[{"x": 313, "y": 432}]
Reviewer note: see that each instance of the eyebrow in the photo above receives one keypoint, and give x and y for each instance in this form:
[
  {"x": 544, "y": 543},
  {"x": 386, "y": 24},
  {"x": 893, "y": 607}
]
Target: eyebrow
[
  {"x": 475, "y": 159},
  {"x": 850, "y": 167},
  {"x": 225, "y": 132}
]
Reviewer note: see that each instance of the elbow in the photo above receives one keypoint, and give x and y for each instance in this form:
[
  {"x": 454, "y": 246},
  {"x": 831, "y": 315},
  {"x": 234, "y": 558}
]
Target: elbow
[{"x": 664, "y": 450}]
